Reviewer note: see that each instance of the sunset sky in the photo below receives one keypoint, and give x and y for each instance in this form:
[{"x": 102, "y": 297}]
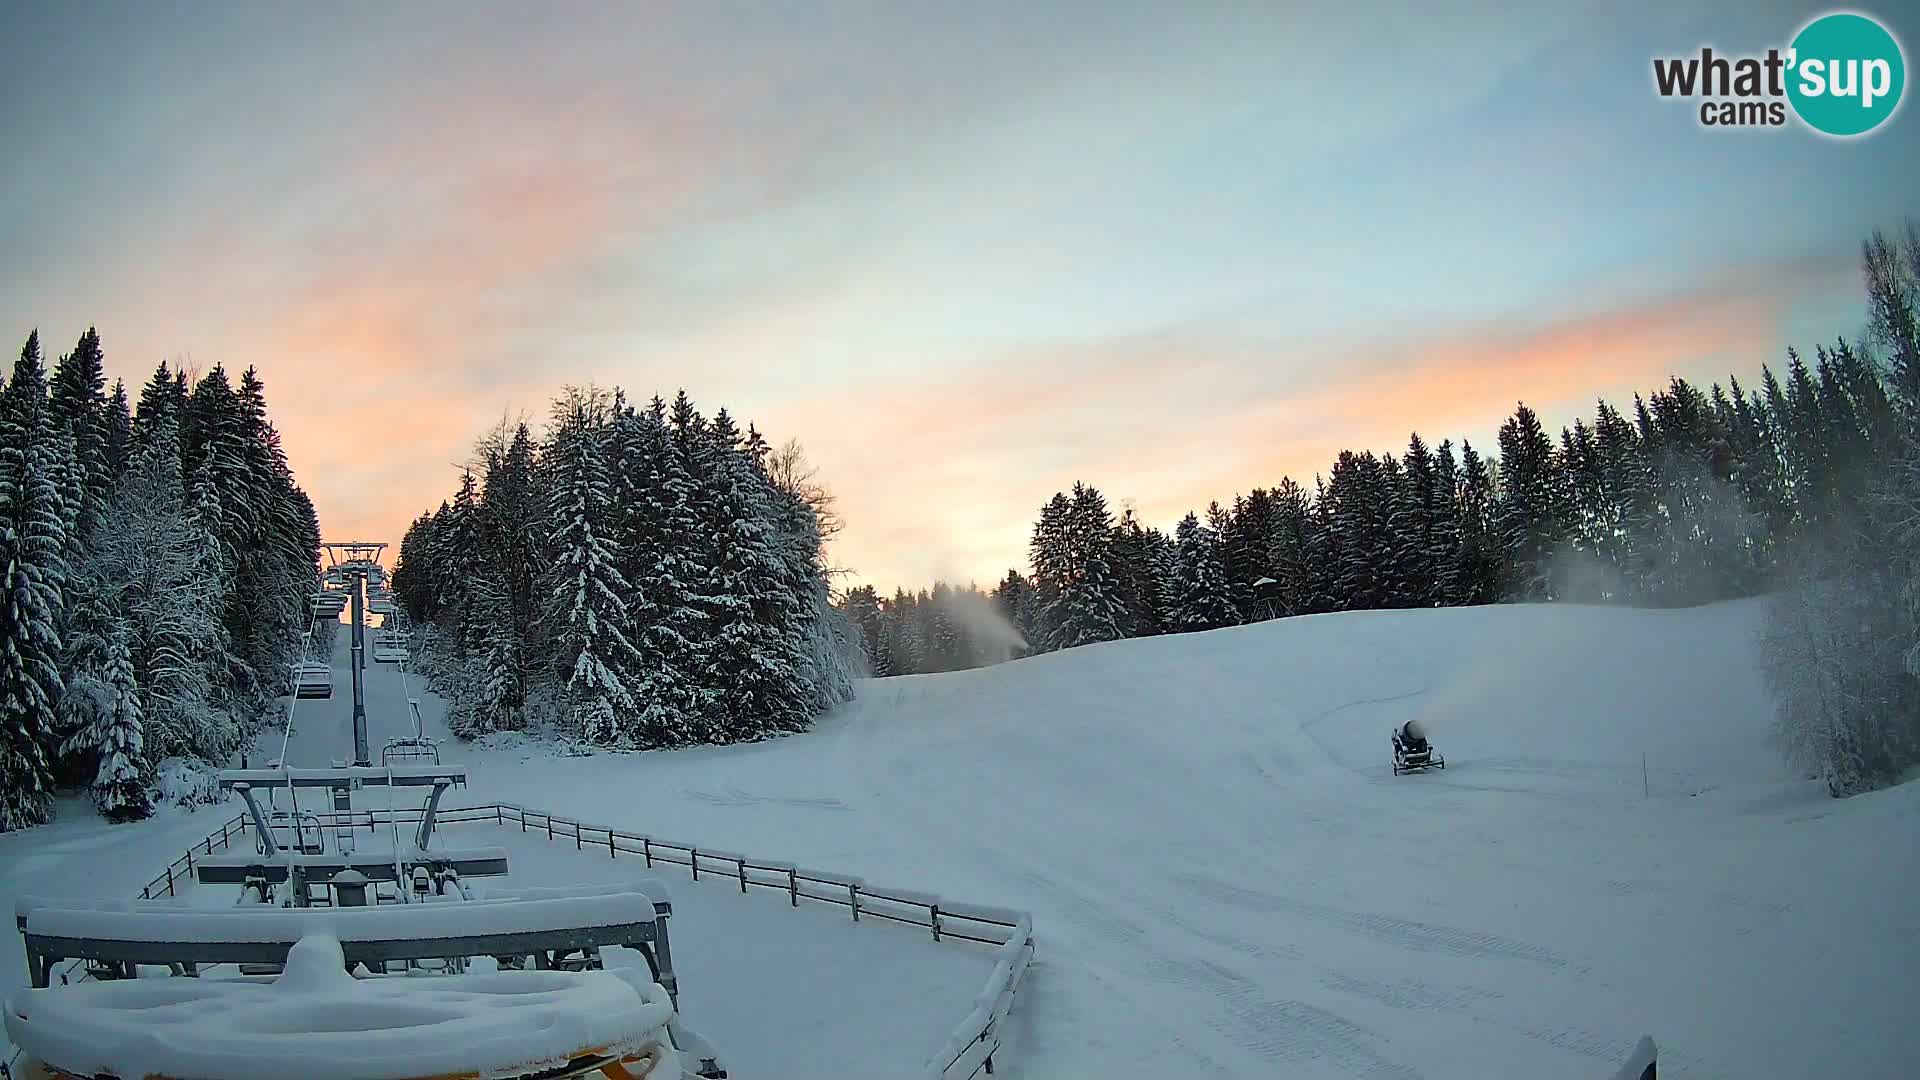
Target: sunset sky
[{"x": 966, "y": 253}]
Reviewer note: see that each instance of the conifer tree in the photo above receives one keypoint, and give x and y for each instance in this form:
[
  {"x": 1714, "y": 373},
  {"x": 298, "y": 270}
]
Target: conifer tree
[
  {"x": 586, "y": 601},
  {"x": 754, "y": 652},
  {"x": 1087, "y": 606},
  {"x": 33, "y": 543},
  {"x": 1530, "y": 525},
  {"x": 1051, "y": 552},
  {"x": 1203, "y": 602},
  {"x": 118, "y": 442},
  {"x": 1443, "y": 549},
  {"x": 1414, "y": 525},
  {"x": 120, "y": 783},
  {"x": 862, "y": 605},
  {"x": 150, "y": 559},
  {"x": 79, "y": 404},
  {"x": 1480, "y": 546}
]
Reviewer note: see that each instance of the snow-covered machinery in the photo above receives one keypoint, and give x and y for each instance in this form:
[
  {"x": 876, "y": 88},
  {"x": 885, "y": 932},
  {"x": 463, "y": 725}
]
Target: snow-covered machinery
[
  {"x": 312, "y": 679},
  {"x": 530, "y": 1025},
  {"x": 1412, "y": 752},
  {"x": 309, "y": 967}
]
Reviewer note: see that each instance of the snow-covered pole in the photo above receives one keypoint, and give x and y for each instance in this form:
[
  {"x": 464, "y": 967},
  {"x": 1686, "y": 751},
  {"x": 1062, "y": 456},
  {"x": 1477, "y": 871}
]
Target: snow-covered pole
[{"x": 361, "y": 755}]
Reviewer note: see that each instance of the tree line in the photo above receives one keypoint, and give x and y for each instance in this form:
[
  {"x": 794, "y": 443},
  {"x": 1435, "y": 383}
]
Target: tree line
[
  {"x": 1685, "y": 498},
  {"x": 1807, "y": 486},
  {"x": 648, "y": 576},
  {"x": 158, "y": 559}
]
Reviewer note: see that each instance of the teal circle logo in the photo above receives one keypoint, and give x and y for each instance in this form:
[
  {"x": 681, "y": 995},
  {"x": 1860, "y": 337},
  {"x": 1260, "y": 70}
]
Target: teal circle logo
[{"x": 1847, "y": 73}]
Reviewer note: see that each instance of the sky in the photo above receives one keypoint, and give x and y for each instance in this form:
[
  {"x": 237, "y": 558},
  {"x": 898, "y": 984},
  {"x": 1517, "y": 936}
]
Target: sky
[{"x": 966, "y": 254}]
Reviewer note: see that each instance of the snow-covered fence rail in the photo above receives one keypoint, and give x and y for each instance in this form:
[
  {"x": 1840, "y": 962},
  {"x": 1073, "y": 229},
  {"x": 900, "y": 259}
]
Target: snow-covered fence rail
[
  {"x": 968, "y": 1051},
  {"x": 181, "y": 869}
]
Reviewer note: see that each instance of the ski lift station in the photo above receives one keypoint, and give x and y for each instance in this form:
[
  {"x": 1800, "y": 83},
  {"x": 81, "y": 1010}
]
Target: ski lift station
[{"x": 338, "y": 935}]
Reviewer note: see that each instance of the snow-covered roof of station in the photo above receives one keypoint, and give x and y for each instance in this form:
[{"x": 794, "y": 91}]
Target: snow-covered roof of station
[{"x": 317, "y": 1022}]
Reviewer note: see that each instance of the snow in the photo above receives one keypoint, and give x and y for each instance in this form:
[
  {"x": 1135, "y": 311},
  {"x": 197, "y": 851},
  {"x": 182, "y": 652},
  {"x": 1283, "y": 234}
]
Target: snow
[
  {"x": 316, "y": 1022},
  {"x": 1224, "y": 877},
  {"x": 1227, "y": 880}
]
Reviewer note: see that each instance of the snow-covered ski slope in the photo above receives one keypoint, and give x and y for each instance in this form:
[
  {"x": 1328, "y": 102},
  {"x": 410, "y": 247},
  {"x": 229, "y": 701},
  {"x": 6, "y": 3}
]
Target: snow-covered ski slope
[{"x": 1226, "y": 880}]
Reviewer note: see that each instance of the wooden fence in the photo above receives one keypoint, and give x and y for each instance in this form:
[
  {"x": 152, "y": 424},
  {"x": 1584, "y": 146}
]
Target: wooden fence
[{"x": 968, "y": 1052}]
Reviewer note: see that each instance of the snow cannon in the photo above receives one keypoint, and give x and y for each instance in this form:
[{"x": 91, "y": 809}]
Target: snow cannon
[{"x": 1411, "y": 750}]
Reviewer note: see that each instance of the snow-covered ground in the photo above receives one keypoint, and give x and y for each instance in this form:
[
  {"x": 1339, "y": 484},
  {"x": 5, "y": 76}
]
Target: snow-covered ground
[{"x": 1227, "y": 881}]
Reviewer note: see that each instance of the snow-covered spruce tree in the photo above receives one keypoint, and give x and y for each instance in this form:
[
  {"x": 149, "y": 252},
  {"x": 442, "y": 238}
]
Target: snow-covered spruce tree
[
  {"x": 1530, "y": 524},
  {"x": 120, "y": 784},
  {"x": 1442, "y": 556},
  {"x": 511, "y": 517},
  {"x": 1051, "y": 553},
  {"x": 1415, "y": 519},
  {"x": 1843, "y": 643},
  {"x": 1219, "y": 521},
  {"x": 658, "y": 533},
  {"x": 1139, "y": 590},
  {"x": 148, "y": 563},
  {"x": 118, "y": 442},
  {"x": 503, "y": 684},
  {"x": 32, "y": 576},
  {"x": 1358, "y": 502},
  {"x": 459, "y": 557},
  {"x": 1480, "y": 560},
  {"x": 1088, "y": 607},
  {"x": 586, "y": 604},
  {"x": 277, "y": 566},
  {"x": 78, "y": 399},
  {"x": 413, "y": 572},
  {"x": 1202, "y": 602},
  {"x": 755, "y": 641},
  {"x": 862, "y": 608},
  {"x": 678, "y": 704},
  {"x": 802, "y": 511}
]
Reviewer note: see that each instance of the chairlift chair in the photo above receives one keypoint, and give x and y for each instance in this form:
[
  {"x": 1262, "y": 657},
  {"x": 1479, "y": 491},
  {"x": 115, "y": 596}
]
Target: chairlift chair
[
  {"x": 312, "y": 679},
  {"x": 294, "y": 831},
  {"x": 414, "y": 749}
]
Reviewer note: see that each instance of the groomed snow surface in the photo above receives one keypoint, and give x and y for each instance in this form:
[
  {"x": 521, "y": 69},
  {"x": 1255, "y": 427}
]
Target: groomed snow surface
[{"x": 1225, "y": 878}]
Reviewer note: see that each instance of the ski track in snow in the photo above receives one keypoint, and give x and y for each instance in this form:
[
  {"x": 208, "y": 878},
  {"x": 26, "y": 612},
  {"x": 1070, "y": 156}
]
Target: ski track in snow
[{"x": 1227, "y": 881}]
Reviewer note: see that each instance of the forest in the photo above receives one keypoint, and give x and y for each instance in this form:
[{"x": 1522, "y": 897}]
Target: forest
[
  {"x": 158, "y": 559},
  {"x": 637, "y": 577}
]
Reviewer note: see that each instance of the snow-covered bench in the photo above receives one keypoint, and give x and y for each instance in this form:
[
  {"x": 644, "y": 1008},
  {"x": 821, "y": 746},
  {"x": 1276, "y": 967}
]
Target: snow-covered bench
[{"x": 133, "y": 933}]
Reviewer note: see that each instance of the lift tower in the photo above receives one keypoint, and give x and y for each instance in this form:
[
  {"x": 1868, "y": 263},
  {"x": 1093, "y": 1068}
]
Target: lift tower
[{"x": 356, "y": 559}]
